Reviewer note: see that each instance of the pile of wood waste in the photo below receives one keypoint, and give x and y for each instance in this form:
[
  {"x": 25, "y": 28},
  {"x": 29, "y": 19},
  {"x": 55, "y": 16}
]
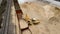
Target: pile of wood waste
[{"x": 47, "y": 17}]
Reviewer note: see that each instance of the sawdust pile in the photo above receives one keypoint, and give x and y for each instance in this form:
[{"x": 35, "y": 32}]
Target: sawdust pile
[
  {"x": 48, "y": 15},
  {"x": 46, "y": 11}
]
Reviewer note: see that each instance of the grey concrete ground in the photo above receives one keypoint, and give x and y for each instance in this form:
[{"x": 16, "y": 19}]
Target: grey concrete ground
[{"x": 54, "y": 2}]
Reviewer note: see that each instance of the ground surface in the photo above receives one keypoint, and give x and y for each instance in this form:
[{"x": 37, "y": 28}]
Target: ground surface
[{"x": 49, "y": 18}]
